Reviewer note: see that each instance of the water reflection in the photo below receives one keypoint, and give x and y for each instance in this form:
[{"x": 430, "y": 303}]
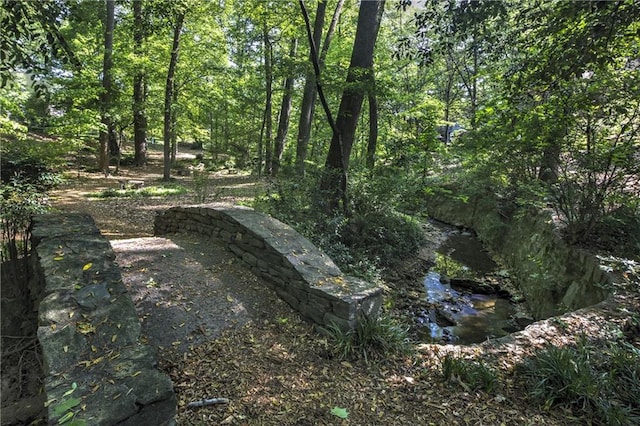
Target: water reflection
[{"x": 460, "y": 315}]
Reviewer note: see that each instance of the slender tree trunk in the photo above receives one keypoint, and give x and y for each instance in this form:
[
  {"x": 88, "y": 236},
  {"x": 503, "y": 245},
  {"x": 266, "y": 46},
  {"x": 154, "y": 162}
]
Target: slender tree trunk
[
  {"x": 260, "y": 159},
  {"x": 474, "y": 77},
  {"x": 105, "y": 98},
  {"x": 448, "y": 99},
  {"x": 285, "y": 113},
  {"x": 268, "y": 109},
  {"x": 550, "y": 161},
  {"x": 174, "y": 124},
  {"x": 372, "y": 143},
  {"x": 309, "y": 93},
  {"x": 168, "y": 95},
  {"x": 360, "y": 71},
  {"x": 139, "y": 90}
]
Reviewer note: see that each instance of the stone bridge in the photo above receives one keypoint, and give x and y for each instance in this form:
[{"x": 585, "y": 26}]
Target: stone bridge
[
  {"x": 302, "y": 275},
  {"x": 96, "y": 367}
]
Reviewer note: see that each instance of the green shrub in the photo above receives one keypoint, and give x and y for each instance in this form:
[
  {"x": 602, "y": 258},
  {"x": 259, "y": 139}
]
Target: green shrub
[
  {"x": 603, "y": 385},
  {"x": 372, "y": 338},
  {"x": 471, "y": 375},
  {"x": 201, "y": 185},
  {"x": 19, "y": 201},
  {"x": 371, "y": 237}
]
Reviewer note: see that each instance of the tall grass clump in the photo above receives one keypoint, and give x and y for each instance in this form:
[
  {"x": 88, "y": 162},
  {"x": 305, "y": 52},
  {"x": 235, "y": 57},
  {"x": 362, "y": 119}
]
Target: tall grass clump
[
  {"x": 601, "y": 384},
  {"x": 372, "y": 338},
  {"x": 471, "y": 375}
]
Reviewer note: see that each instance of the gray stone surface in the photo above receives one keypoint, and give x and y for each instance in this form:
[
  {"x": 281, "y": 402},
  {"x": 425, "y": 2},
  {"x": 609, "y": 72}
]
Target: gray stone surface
[
  {"x": 302, "y": 275},
  {"x": 89, "y": 330}
]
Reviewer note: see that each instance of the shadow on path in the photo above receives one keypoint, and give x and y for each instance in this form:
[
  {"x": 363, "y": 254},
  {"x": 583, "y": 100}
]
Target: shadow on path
[{"x": 188, "y": 289}]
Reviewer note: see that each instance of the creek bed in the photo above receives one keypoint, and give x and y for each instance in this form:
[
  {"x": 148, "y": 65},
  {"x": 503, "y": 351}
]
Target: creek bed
[{"x": 465, "y": 295}]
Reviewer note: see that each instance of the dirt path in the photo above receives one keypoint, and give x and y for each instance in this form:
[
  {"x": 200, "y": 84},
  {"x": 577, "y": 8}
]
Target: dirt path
[
  {"x": 122, "y": 218},
  {"x": 187, "y": 290}
]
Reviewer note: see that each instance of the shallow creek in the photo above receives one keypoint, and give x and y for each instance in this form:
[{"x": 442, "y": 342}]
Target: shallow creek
[{"x": 466, "y": 299}]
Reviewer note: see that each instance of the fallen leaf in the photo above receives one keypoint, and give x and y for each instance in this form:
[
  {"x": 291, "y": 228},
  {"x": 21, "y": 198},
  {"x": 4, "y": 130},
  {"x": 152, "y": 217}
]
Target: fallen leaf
[
  {"x": 74, "y": 386},
  {"x": 340, "y": 412},
  {"x": 87, "y": 266}
]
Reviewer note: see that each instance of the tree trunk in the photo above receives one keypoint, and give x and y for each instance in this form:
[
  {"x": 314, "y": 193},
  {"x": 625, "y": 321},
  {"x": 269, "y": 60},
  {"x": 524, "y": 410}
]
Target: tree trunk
[
  {"x": 285, "y": 113},
  {"x": 268, "y": 108},
  {"x": 105, "y": 97},
  {"x": 550, "y": 161},
  {"x": 174, "y": 124},
  {"x": 139, "y": 90},
  {"x": 373, "y": 127},
  {"x": 474, "y": 76},
  {"x": 360, "y": 71},
  {"x": 168, "y": 95},
  {"x": 309, "y": 94}
]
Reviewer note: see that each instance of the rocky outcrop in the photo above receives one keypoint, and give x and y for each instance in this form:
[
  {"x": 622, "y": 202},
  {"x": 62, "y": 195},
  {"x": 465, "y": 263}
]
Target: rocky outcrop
[
  {"x": 553, "y": 276},
  {"x": 302, "y": 275},
  {"x": 97, "y": 371}
]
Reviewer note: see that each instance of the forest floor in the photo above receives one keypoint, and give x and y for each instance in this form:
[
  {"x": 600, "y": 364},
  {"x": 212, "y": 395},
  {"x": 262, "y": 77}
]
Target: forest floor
[{"x": 220, "y": 333}]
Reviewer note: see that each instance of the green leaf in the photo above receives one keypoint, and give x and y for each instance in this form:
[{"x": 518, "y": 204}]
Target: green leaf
[
  {"x": 66, "y": 417},
  {"x": 62, "y": 408},
  {"x": 340, "y": 412},
  {"x": 74, "y": 386}
]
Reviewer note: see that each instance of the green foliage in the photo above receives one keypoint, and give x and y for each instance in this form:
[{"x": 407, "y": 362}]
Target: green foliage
[
  {"x": 65, "y": 411},
  {"x": 378, "y": 337},
  {"x": 340, "y": 412},
  {"x": 30, "y": 38},
  {"x": 375, "y": 227},
  {"x": 33, "y": 159},
  {"x": 470, "y": 374},
  {"x": 603, "y": 385},
  {"x": 451, "y": 268},
  {"x": 374, "y": 236},
  {"x": 148, "y": 191},
  {"x": 19, "y": 201},
  {"x": 201, "y": 185}
]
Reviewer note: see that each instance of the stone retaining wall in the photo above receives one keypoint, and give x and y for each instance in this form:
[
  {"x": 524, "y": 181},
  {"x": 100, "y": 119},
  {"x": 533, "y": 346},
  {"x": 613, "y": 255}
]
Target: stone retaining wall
[
  {"x": 554, "y": 277},
  {"x": 96, "y": 369},
  {"x": 302, "y": 275}
]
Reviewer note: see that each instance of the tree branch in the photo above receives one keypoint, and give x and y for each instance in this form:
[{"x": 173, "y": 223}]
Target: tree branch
[{"x": 316, "y": 68}]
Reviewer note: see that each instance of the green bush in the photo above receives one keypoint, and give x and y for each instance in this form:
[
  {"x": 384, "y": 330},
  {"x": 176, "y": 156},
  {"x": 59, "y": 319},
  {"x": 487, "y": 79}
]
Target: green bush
[
  {"x": 603, "y": 385},
  {"x": 33, "y": 159},
  {"x": 373, "y": 235},
  {"x": 201, "y": 185},
  {"x": 619, "y": 231},
  {"x": 19, "y": 201},
  {"x": 373, "y": 338}
]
